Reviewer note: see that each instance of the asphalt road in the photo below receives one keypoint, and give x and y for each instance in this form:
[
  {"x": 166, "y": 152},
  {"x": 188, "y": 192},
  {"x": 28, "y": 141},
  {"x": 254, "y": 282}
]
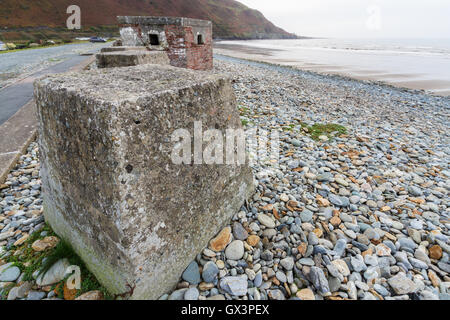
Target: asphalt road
[{"x": 14, "y": 96}]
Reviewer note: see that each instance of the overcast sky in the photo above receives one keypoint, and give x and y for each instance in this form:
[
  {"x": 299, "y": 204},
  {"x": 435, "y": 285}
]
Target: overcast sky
[{"x": 359, "y": 18}]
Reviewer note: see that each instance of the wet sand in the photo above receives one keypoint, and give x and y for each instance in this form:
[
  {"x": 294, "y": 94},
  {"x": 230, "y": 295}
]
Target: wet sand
[{"x": 411, "y": 78}]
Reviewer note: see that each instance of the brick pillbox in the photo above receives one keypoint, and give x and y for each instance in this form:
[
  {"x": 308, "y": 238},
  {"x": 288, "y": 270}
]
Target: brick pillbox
[{"x": 188, "y": 42}]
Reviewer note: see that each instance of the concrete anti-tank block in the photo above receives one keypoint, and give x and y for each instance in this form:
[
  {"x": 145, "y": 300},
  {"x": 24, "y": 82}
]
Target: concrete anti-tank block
[
  {"x": 129, "y": 58},
  {"x": 110, "y": 187},
  {"x": 122, "y": 48}
]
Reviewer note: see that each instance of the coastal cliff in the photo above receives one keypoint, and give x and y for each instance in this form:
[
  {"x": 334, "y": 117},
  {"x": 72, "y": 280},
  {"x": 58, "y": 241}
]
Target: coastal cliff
[{"x": 231, "y": 19}]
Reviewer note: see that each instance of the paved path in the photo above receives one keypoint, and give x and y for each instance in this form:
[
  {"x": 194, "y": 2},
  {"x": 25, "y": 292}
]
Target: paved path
[
  {"x": 13, "y": 97},
  {"x": 18, "y": 121},
  {"x": 20, "y": 64}
]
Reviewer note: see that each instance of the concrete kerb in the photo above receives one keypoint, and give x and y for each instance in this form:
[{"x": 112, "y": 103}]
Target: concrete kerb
[
  {"x": 16, "y": 134},
  {"x": 20, "y": 130}
]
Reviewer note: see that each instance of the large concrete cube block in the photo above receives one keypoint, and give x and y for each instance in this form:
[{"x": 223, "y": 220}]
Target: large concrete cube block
[
  {"x": 129, "y": 58},
  {"x": 110, "y": 187}
]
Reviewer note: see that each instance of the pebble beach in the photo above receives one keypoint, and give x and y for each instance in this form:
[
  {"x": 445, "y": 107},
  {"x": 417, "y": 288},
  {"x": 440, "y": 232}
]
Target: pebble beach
[{"x": 356, "y": 208}]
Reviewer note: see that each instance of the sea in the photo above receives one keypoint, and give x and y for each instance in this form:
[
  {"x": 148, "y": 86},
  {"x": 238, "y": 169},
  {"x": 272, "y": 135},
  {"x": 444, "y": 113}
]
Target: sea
[{"x": 411, "y": 63}]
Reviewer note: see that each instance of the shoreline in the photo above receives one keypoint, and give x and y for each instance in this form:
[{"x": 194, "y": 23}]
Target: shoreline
[
  {"x": 335, "y": 76},
  {"x": 403, "y": 81}
]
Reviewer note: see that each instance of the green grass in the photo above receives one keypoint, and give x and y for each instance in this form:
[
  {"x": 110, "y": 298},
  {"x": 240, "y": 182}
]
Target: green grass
[
  {"x": 30, "y": 261},
  {"x": 60, "y": 251},
  {"x": 40, "y": 47},
  {"x": 289, "y": 127},
  {"x": 5, "y": 291},
  {"x": 330, "y": 130},
  {"x": 88, "y": 280},
  {"x": 244, "y": 122},
  {"x": 243, "y": 111}
]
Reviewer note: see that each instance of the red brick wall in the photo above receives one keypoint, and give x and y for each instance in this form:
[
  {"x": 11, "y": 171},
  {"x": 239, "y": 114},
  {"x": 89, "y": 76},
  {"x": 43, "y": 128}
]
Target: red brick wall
[
  {"x": 199, "y": 57},
  {"x": 177, "y": 46},
  {"x": 184, "y": 52}
]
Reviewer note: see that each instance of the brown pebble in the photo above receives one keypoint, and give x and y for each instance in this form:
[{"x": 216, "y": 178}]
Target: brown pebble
[
  {"x": 435, "y": 252},
  {"x": 220, "y": 242},
  {"x": 253, "y": 240}
]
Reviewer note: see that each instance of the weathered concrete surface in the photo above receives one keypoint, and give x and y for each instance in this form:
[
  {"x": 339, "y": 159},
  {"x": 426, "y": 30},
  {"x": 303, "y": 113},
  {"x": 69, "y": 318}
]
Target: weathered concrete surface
[
  {"x": 188, "y": 42},
  {"x": 122, "y": 48},
  {"x": 130, "y": 58},
  {"x": 155, "y": 20},
  {"x": 109, "y": 185}
]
